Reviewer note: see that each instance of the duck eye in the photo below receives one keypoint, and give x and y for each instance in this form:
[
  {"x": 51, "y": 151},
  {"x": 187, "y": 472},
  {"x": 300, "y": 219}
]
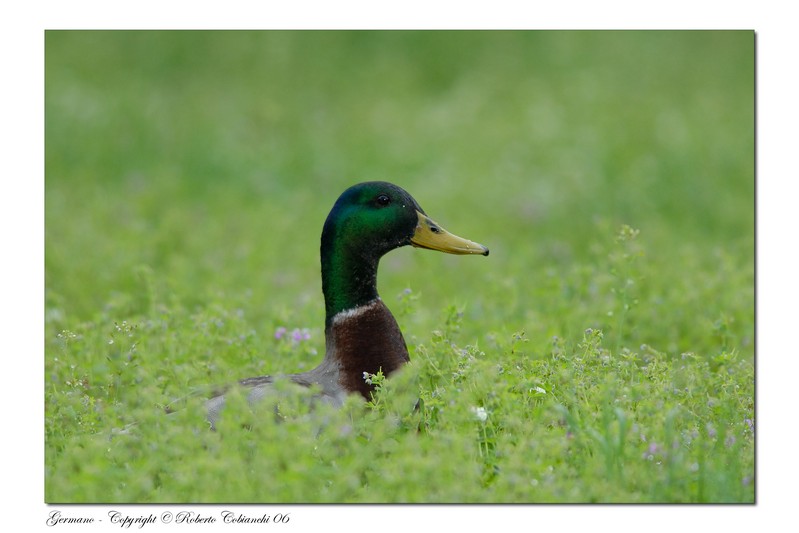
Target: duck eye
[{"x": 383, "y": 200}]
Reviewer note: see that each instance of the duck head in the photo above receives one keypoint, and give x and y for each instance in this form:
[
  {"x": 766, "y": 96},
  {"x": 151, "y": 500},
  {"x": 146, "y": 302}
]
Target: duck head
[{"x": 367, "y": 221}]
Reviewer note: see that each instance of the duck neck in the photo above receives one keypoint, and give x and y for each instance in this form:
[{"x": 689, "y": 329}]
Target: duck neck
[
  {"x": 349, "y": 278},
  {"x": 361, "y": 334}
]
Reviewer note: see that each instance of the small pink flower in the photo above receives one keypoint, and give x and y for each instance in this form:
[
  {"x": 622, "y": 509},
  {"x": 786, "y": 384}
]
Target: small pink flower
[{"x": 299, "y": 335}]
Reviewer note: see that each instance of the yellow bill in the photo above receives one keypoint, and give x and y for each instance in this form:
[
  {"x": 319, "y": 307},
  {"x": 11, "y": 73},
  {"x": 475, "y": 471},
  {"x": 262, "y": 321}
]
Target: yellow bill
[{"x": 433, "y": 237}]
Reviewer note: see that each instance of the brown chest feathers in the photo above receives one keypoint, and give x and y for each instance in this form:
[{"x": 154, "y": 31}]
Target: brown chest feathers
[{"x": 364, "y": 339}]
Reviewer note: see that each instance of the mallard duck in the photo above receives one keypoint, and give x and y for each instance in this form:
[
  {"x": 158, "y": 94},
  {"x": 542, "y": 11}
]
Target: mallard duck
[{"x": 361, "y": 335}]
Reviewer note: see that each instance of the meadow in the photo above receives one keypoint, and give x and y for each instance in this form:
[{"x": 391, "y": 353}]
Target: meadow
[{"x": 603, "y": 352}]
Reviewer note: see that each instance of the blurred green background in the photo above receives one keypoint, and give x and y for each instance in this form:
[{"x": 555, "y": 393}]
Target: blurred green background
[
  {"x": 210, "y": 160},
  {"x": 188, "y": 175}
]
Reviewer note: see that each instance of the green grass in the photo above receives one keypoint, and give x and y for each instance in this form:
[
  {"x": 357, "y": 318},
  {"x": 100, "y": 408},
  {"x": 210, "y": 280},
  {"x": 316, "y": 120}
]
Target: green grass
[{"x": 603, "y": 352}]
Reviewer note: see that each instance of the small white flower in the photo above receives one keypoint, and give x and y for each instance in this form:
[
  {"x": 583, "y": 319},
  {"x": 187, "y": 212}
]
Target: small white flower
[
  {"x": 480, "y": 413},
  {"x": 367, "y": 378}
]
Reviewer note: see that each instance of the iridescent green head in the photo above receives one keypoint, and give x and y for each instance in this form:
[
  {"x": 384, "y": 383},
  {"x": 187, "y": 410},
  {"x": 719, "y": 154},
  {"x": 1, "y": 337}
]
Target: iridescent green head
[{"x": 367, "y": 221}]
